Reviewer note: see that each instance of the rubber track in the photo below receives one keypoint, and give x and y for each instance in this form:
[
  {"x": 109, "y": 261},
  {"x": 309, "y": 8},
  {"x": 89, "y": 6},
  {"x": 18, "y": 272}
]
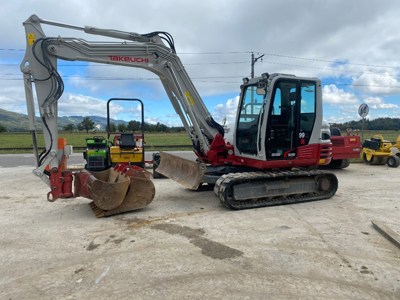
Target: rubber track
[{"x": 224, "y": 188}]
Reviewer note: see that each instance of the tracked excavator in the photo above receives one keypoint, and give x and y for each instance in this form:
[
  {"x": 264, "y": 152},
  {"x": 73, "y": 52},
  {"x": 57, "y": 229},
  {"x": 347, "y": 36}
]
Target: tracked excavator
[{"x": 270, "y": 157}]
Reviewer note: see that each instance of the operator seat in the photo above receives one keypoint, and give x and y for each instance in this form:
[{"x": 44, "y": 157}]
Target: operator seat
[{"x": 127, "y": 141}]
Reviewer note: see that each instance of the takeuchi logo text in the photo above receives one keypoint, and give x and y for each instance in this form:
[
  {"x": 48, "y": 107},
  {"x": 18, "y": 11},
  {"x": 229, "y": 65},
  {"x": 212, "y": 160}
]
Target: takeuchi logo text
[{"x": 128, "y": 59}]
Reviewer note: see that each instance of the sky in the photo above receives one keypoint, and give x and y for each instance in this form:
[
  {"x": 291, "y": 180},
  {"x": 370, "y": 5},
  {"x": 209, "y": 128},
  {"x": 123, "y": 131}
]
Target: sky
[{"x": 352, "y": 46}]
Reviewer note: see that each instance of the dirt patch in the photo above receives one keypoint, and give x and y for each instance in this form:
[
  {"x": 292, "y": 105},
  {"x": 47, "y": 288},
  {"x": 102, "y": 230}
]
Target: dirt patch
[{"x": 208, "y": 247}]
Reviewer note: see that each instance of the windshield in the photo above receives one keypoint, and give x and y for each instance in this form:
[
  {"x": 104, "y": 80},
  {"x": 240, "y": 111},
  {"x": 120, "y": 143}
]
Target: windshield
[{"x": 247, "y": 127}]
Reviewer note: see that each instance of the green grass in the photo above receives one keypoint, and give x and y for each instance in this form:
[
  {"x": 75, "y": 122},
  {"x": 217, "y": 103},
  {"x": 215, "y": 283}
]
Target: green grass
[
  {"x": 18, "y": 140},
  {"x": 78, "y": 139},
  {"x": 389, "y": 135}
]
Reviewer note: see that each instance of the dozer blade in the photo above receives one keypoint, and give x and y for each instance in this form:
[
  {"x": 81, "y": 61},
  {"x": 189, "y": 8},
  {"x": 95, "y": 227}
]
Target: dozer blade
[
  {"x": 114, "y": 192},
  {"x": 186, "y": 172}
]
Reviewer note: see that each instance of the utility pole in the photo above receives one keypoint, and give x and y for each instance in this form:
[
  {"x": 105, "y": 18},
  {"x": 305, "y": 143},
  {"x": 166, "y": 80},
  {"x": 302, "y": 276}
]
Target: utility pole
[{"x": 253, "y": 61}]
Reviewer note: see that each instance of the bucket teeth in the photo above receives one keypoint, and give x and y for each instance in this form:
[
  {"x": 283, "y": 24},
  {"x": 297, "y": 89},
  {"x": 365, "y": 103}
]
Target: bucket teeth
[{"x": 97, "y": 211}]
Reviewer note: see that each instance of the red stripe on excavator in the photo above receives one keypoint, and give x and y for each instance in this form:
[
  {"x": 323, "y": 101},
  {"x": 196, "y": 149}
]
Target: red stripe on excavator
[{"x": 306, "y": 156}]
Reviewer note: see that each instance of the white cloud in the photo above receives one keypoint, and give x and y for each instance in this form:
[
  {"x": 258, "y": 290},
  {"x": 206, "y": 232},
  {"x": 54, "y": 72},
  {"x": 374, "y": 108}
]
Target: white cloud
[
  {"x": 152, "y": 120},
  {"x": 377, "y": 103},
  {"x": 377, "y": 83},
  {"x": 340, "y": 106},
  {"x": 12, "y": 98},
  {"x": 333, "y": 95},
  {"x": 171, "y": 122},
  {"x": 226, "y": 111},
  {"x": 12, "y": 93},
  {"x": 81, "y": 105}
]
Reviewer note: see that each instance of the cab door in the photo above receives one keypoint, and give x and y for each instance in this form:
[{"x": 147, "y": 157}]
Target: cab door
[{"x": 291, "y": 118}]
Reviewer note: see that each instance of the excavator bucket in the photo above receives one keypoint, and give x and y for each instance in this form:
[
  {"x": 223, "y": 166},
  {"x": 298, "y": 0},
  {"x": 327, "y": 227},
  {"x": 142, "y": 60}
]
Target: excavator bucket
[
  {"x": 115, "y": 190},
  {"x": 186, "y": 172}
]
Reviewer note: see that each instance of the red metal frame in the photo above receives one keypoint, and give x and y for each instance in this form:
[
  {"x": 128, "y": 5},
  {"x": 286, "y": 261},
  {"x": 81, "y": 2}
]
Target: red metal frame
[
  {"x": 222, "y": 153},
  {"x": 344, "y": 147}
]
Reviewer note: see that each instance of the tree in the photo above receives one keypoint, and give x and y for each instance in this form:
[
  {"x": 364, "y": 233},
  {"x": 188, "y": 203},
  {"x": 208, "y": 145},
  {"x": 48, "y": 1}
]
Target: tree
[
  {"x": 70, "y": 127},
  {"x": 122, "y": 127},
  {"x": 112, "y": 128},
  {"x": 376, "y": 124},
  {"x": 3, "y": 128},
  {"x": 86, "y": 124},
  {"x": 161, "y": 127},
  {"x": 134, "y": 126}
]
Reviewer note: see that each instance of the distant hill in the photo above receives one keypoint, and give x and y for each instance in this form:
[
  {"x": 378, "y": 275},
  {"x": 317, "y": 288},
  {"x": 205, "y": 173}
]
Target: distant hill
[{"x": 15, "y": 122}]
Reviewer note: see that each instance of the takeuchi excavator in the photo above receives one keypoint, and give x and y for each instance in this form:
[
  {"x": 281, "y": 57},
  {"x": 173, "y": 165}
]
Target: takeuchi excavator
[{"x": 270, "y": 158}]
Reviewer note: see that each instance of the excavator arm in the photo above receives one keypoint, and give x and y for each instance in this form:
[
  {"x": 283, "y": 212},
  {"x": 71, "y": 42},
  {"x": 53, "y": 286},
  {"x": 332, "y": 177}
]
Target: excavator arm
[{"x": 146, "y": 51}]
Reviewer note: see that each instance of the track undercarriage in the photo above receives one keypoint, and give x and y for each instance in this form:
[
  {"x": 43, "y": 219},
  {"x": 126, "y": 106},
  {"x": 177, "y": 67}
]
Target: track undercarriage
[
  {"x": 240, "y": 188},
  {"x": 259, "y": 189}
]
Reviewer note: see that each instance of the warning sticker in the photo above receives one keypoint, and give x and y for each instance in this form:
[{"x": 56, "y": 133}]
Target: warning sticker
[
  {"x": 189, "y": 98},
  {"x": 31, "y": 39}
]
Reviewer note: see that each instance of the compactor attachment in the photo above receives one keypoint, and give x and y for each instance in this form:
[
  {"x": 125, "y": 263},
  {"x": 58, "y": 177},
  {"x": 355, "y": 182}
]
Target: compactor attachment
[{"x": 115, "y": 190}]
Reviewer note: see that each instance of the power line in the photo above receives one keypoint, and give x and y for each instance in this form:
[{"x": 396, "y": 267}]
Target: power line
[
  {"x": 208, "y": 80},
  {"x": 235, "y": 63},
  {"x": 361, "y": 85},
  {"x": 11, "y": 49},
  {"x": 222, "y": 63},
  {"x": 327, "y": 69},
  {"x": 331, "y": 61},
  {"x": 108, "y": 65},
  {"x": 338, "y": 61},
  {"x": 132, "y": 78},
  {"x": 232, "y": 63},
  {"x": 216, "y": 52},
  {"x": 180, "y": 53}
]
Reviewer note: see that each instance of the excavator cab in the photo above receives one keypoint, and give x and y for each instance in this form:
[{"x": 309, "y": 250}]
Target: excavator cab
[{"x": 272, "y": 125}]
